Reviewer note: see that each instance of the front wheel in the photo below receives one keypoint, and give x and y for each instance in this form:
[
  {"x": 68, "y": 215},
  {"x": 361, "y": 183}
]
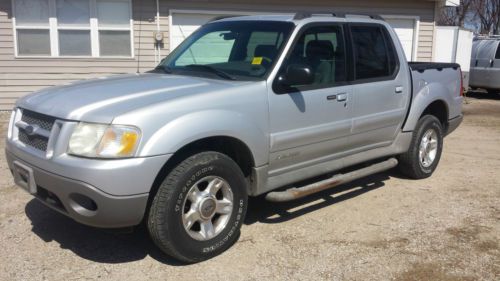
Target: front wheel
[
  {"x": 199, "y": 208},
  {"x": 423, "y": 156}
]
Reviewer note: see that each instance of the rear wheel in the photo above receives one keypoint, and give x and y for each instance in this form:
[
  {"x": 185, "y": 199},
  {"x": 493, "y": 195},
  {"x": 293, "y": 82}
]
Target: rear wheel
[
  {"x": 421, "y": 160},
  {"x": 199, "y": 208}
]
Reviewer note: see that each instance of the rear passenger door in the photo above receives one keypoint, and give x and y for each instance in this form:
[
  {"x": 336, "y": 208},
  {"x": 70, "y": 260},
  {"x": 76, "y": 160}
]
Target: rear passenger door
[{"x": 381, "y": 88}]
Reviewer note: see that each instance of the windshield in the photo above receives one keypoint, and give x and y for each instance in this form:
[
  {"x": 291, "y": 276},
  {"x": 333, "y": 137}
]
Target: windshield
[{"x": 234, "y": 50}]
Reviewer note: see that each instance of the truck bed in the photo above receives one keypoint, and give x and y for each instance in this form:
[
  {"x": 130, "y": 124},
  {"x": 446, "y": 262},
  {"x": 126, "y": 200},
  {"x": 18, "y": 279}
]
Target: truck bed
[{"x": 435, "y": 82}]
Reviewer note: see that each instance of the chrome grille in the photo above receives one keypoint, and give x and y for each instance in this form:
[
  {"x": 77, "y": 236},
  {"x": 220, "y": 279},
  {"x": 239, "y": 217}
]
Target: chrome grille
[
  {"x": 39, "y": 120},
  {"x": 33, "y": 118},
  {"x": 37, "y": 142}
]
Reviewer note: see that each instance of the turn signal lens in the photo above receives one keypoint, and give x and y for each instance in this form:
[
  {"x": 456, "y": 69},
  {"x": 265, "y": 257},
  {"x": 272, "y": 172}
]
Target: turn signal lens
[{"x": 119, "y": 142}]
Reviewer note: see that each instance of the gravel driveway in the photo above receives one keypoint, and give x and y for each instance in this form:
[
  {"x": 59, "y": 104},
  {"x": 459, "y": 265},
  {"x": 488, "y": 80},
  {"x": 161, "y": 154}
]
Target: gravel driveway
[{"x": 379, "y": 228}]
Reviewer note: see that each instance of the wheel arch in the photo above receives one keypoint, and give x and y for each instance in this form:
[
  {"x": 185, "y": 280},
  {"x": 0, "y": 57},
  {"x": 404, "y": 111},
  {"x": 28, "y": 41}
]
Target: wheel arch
[
  {"x": 232, "y": 147},
  {"x": 436, "y": 107},
  {"x": 439, "y": 109}
]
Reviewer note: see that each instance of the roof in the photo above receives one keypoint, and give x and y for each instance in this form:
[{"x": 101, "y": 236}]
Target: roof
[{"x": 302, "y": 16}]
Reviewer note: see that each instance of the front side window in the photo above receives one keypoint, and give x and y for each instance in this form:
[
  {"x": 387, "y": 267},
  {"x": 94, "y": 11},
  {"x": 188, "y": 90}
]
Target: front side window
[
  {"x": 322, "y": 49},
  {"x": 230, "y": 50},
  {"x": 374, "y": 55},
  {"x": 87, "y": 28}
]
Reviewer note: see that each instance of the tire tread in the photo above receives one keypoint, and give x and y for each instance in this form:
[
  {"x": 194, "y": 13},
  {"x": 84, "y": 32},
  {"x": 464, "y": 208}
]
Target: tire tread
[{"x": 408, "y": 163}]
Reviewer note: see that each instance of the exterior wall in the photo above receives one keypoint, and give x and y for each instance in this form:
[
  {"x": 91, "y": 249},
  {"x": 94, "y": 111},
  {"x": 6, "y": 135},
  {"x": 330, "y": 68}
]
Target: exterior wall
[
  {"x": 423, "y": 9},
  {"x": 19, "y": 76}
]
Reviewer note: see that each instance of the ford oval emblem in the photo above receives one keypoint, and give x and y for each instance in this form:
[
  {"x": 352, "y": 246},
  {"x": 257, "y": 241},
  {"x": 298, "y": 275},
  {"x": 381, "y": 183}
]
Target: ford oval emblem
[{"x": 30, "y": 130}]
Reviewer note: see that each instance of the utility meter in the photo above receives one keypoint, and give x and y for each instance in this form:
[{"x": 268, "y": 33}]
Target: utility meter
[{"x": 158, "y": 35}]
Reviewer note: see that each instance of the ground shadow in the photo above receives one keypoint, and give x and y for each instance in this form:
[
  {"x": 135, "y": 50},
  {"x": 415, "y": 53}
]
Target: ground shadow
[
  {"x": 483, "y": 95},
  {"x": 263, "y": 211},
  {"x": 98, "y": 245},
  {"x": 112, "y": 246}
]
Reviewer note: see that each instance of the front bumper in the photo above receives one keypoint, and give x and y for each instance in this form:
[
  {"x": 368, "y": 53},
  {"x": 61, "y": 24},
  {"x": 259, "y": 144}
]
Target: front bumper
[{"x": 90, "y": 194}]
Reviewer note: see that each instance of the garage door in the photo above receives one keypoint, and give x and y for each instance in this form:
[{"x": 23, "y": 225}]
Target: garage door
[
  {"x": 185, "y": 23},
  {"x": 405, "y": 29}
]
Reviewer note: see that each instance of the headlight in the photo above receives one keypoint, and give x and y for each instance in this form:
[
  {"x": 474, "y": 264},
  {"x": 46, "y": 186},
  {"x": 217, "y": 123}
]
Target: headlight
[{"x": 104, "y": 141}]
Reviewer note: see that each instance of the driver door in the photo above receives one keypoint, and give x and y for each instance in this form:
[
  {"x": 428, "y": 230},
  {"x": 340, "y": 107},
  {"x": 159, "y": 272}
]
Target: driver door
[{"x": 310, "y": 124}]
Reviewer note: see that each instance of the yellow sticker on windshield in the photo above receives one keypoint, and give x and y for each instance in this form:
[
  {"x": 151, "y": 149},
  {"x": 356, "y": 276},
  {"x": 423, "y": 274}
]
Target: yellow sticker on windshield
[{"x": 257, "y": 60}]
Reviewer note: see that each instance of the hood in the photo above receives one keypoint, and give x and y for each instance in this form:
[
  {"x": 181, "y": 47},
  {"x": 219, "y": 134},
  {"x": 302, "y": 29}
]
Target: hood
[{"x": 102, "y": 99}]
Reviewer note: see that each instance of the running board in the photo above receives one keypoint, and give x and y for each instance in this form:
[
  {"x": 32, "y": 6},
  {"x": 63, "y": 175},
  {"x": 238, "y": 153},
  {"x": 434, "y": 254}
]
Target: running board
[{"x": 297, "y": 193}]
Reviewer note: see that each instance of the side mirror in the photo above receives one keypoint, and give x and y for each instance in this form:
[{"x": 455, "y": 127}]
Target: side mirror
[{"x": 296, "y": 75}]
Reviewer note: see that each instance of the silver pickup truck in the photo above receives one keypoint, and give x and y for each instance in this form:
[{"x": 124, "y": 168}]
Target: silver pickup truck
[{"x": 245, "y": 106}]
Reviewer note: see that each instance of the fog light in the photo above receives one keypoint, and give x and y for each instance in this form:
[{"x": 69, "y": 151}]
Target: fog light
[{"x": 83, "y": 204}]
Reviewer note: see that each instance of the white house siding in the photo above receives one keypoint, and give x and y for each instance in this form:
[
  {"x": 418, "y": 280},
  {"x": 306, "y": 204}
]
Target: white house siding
[
  {"x": 423, "y": 9},
  {"x": 19, "y": 76}
]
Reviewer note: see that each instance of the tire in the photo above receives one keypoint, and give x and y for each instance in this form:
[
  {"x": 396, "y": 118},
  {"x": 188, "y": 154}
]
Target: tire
[
  {"x": 411, "y": 163},
  {"x": 179, "y": 216}
]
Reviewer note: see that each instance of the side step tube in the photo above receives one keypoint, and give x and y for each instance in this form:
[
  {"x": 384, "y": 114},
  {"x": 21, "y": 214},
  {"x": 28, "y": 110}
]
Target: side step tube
[{"x": 297, "y": 193}]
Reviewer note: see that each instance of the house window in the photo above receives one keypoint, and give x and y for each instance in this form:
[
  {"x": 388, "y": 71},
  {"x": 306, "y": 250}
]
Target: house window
[{"x": 73, "y": 28}]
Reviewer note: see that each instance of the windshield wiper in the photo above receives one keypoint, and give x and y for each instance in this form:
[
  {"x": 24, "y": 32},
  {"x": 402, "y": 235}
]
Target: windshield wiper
[{"x": 214, "y": 70}]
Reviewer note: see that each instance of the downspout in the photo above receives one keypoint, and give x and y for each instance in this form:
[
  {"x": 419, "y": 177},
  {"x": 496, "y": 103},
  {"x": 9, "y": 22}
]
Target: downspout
[{"x": 158, "y": 47}]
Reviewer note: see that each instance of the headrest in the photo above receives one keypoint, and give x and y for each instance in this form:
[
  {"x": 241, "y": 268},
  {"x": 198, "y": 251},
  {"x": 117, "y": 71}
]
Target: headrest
[
  {"x": 320, "y": 49},
  {"x": 268, "y": 51}
]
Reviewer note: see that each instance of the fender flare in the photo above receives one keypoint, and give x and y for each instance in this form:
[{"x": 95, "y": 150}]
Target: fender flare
[{"x": 422, "y": 100}]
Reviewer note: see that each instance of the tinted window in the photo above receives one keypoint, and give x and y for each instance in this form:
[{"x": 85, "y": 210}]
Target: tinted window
[
  {"x": 497, "y": 56},
  {"x": 374, "y": 55},
  {"x": 322, "y": 49},
  {"x": 486, "y": 49}
]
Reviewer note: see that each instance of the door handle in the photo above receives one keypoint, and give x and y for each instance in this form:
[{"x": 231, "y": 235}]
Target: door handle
[
  {"x": 341, "y": 97},
  {"x": 399, "y": 89},
  {"x": 338, "y": 97}
]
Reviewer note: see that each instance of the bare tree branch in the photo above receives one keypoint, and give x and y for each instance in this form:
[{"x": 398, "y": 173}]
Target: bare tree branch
[{"x": 457, "y": 16}]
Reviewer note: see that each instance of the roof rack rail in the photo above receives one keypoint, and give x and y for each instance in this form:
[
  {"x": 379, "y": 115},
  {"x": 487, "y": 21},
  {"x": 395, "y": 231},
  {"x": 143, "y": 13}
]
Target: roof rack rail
[{"x": 304, "y": 15}]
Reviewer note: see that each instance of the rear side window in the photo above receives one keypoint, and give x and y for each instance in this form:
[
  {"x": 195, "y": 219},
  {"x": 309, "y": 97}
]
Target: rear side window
[{"x": 374, "y": 54}]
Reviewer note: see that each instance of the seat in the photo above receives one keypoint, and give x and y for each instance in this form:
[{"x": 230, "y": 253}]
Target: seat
[{"x": 320, "y": 55}]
